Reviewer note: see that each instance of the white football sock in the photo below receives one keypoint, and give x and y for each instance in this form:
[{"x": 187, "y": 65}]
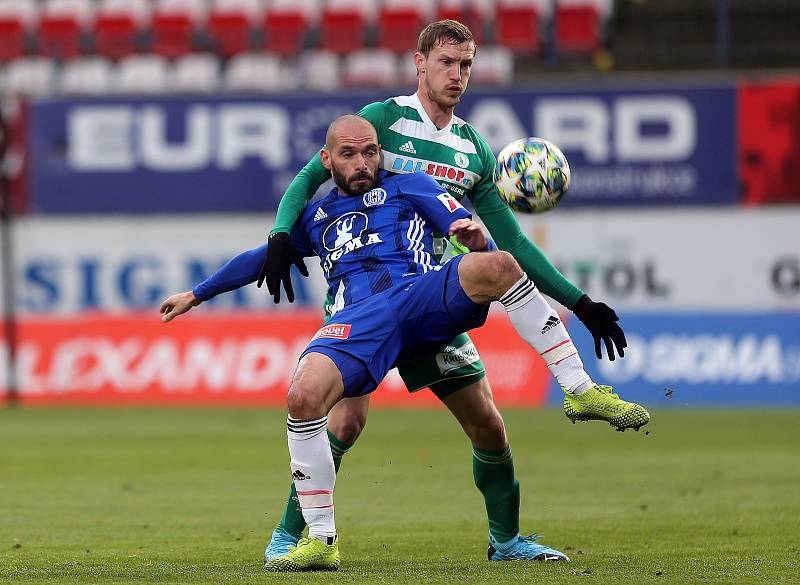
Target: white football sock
[
  {"x": 313, "y": 474},
  {"x": 539, "y": 325}
]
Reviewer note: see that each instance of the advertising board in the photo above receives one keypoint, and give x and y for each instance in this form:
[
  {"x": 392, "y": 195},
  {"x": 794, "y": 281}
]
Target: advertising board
[
  {"x": 246, "y": 358},
  {"x": 627, "y": 146},
  {"x": 738, "y": 359},
  {"x": 714, "y": 260}
]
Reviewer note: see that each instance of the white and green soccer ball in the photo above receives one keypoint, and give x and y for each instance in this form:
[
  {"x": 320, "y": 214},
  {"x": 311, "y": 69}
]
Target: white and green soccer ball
[{"x": 532, "y": 175}]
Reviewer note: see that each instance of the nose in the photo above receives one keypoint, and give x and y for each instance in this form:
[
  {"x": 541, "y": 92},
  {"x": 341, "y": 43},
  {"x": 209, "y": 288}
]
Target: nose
[
  {"x": 455, "y": 72},
  {"x": 361, "y": 162}
]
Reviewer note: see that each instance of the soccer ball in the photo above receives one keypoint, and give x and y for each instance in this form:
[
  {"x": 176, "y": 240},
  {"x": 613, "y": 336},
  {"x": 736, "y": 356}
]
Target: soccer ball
[{"x": 532, "y": 175}]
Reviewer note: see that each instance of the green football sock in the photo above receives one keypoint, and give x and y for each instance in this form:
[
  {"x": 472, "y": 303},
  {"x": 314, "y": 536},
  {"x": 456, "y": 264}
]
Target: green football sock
[
  {"x": 292, "y": 520},
  {"x": 494, "y": 476}
]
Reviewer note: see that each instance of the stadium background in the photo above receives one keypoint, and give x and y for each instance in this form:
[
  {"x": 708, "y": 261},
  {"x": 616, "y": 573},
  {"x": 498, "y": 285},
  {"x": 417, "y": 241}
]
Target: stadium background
[{"x": 148, "y": 142}]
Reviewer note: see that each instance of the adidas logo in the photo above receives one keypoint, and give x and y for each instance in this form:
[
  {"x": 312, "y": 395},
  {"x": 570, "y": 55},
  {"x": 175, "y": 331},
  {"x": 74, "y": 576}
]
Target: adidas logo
[
  {"x": 408, "y": 147},
  {"x": 300, "y": 476},
  {"x": 551, "y": 322},
  {"x": 320, "y": 214}
]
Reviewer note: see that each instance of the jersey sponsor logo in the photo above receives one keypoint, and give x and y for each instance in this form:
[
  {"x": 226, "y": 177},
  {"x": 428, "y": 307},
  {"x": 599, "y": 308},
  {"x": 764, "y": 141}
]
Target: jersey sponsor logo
[
  {"x": 440, "y": 172},
  {"x": 346, "y": 234},
  {"x": 374, "y": 197},
  {"x": 340, "y": 232},
  {"x": 320, "y": 214},
  {"x": 333, "y": 331},
  {"x": 408, "y": 147},
  {"x": 461, "y": 160},
  {"x": 450, "y": 202},
  {"x": 453, "y": 358}
]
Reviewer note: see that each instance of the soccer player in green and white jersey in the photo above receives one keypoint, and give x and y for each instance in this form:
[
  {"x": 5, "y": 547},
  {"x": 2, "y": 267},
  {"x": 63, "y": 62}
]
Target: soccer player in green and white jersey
[{"x": 421, "y": 133}]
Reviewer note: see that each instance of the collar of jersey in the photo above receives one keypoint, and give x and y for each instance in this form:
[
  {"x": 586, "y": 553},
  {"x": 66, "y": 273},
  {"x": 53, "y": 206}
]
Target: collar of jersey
[{"x": 417, "y": 105}]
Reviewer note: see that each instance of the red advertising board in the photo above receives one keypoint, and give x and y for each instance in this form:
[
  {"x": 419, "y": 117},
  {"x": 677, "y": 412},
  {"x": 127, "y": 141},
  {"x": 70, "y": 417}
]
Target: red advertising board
[
  {"x": 241, "y": 358},
  {"x": 769, "y": 140}
]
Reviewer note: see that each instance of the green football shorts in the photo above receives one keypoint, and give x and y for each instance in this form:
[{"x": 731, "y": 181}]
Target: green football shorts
[{"x": 445, "y": 370}]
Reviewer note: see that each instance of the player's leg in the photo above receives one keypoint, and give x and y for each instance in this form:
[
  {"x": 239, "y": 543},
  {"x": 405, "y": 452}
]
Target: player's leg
[
  {"x": 493, "y": 472},
  {"x": 346, "y": 420},
  {"x": 342, "y": 361},
  {"x": 492, "y": 464},
  {"x": 316, "y": 386},
  {"x": 487, "y": 277}
]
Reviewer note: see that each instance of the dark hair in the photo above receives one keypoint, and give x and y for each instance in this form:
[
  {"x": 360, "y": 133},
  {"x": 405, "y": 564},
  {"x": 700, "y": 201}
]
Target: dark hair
[{"x": 441, "y": 32}]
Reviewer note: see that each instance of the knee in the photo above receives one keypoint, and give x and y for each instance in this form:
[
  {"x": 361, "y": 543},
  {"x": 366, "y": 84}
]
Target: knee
[
  {"x": 301, "y": 403},
  {"x": 508, "y": 269},
  {"x": 347, "y": 425},
  {"x": 488, "y": 431},
  {"x": 502, "y": 271}
]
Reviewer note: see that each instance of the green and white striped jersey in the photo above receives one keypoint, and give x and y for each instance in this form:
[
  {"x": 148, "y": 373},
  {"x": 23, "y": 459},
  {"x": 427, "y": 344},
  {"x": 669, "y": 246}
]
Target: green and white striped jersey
[
  {"x": 460, "y": 160},
  {"x": 455, "y": 155}
]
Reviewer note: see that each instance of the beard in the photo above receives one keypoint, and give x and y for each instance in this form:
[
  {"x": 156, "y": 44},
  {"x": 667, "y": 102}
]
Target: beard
[{"x": 349, "y": 185}]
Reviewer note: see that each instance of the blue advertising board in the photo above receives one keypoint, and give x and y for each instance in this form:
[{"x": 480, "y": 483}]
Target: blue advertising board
[
  {"x": 737, "y": 359},
  {"x": 636, "y": 146}
]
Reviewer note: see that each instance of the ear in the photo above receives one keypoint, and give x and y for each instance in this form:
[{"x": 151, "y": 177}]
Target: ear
[
  {"x": 326, "y": 158},
  {"x": 419, "y": 61}
]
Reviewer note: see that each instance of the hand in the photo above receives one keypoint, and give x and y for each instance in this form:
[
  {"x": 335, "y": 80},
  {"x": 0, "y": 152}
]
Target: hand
[
  {"x": 281, "y": 254},
  {"x": 469, "y": 234},
  {"x": 178, "y": 304},
  {"x": 601, "y": 321}
]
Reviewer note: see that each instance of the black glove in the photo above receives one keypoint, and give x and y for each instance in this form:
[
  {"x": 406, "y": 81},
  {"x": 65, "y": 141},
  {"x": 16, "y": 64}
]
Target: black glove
[
  {"x": 281, "y": 254},
  {"x": 601, "y": 321}
]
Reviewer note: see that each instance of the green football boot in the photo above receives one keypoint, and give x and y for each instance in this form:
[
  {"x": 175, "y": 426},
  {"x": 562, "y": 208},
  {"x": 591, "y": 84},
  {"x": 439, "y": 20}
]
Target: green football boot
[
  {"x": 310, "y": 554},
  {"x": 600, "y": 403}
]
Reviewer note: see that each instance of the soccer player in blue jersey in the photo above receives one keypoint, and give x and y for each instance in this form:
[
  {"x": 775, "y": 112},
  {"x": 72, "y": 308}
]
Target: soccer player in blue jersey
[{"x": 374, "y": 237}]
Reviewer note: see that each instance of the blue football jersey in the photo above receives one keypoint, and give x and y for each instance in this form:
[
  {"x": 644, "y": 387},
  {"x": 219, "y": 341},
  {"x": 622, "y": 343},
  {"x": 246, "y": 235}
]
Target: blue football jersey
[{"x": 374, "y": 242}]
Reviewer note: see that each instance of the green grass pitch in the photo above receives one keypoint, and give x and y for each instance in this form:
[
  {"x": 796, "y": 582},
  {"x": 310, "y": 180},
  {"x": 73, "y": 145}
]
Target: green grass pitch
[{"x": 189, "y": 496}]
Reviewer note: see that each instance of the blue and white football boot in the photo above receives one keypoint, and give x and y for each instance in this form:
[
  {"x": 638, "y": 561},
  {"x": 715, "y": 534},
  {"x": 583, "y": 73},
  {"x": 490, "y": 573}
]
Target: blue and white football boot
[{"x": 523, "y": 548}]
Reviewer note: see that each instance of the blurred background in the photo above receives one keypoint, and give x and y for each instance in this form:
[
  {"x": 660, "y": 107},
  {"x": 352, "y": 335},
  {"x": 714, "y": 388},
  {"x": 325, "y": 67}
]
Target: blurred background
[{"x": 147, "y": 141}]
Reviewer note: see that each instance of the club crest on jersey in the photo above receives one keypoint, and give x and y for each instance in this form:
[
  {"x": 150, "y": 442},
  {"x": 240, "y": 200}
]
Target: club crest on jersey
[
  {"x": 333, "y": 331},
  {"x": 345, "y": 234},
  {"x": 450, "y": 202},
  {"x": 374, "y": 197},
  {"x": 461, "y": 160}
]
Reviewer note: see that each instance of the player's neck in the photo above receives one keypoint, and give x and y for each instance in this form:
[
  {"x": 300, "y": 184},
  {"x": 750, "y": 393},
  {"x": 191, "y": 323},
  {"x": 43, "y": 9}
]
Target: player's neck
[{"x": 440, "y": 117}]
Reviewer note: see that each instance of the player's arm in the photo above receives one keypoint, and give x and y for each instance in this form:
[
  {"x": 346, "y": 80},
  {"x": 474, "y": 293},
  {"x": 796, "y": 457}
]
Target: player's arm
[
  {"x": 599, "y": 318},
  {"x": 444, "y": 212},
  {"x": 280, "y": 256},
  {"x": 237, "y": 272}
]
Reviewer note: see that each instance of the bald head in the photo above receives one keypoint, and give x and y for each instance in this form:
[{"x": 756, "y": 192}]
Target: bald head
[
  {"x": 349, "y": 126},
  {"x": 352, "y": 154}
]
